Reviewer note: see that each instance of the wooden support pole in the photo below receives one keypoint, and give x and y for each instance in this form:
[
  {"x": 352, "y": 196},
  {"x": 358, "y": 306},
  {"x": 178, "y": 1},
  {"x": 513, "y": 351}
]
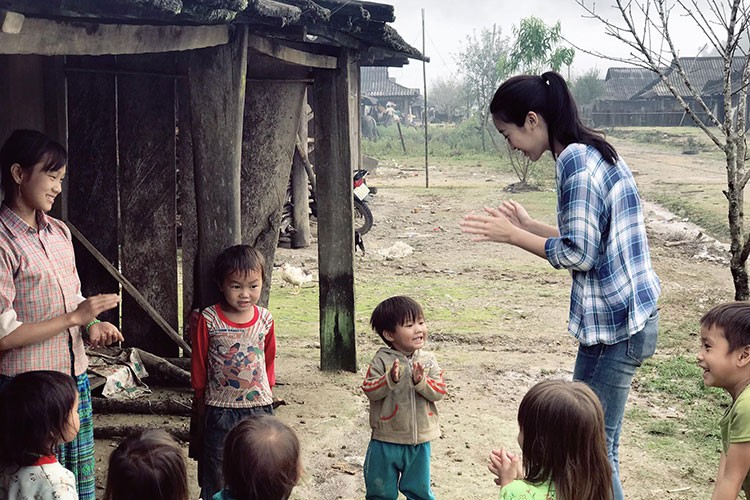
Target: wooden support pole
[
  {"x": 300, "y": 203},
  {"x": 300, "y": 181},
  {"x": 128, "y": 287},
  {"x": 335, "y": 94},
  {"x": 216, "y": 79}
]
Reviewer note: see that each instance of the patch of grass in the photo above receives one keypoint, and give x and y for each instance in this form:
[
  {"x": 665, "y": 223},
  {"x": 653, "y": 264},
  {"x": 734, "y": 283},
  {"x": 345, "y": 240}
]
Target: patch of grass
[
  {"x": 688, "y": 140},
  {"x": 677, "y": 381},
  {"x": 710, "y": 216}
]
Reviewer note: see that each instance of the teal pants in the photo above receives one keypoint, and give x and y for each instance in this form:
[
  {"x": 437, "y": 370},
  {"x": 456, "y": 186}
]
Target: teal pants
[{"x": 390, "y": 468}]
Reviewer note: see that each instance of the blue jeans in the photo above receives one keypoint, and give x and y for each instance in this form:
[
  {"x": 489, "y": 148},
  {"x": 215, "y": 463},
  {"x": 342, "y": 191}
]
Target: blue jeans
[
  {"x": 390, "y": 468},
  {"x": 219, "y": 421},
  {"x": 609, "y": 370}
]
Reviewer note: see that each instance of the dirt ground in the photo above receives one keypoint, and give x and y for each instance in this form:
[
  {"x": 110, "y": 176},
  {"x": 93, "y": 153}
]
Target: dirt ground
[{"x": 487, "y": 372}]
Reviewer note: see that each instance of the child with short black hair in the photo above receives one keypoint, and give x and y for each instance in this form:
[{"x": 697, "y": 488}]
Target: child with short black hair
[
  {"x": 561, "y": 433},
  {"x": 38, "y": 412},
  {"x": 402, "y": 383},
  {"x": 261, "y": 460},
  {"x": 149, "y": 465},
  {"x": 725, "y": 359},
  {"x": 234, "y": 347}
]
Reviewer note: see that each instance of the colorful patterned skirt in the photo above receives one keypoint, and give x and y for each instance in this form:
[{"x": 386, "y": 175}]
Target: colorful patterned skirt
[{"x": 78, "y": 455}]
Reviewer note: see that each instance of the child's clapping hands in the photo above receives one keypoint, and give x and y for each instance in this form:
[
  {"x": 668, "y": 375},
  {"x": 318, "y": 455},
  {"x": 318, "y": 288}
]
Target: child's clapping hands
[
  {"x": 506, "y": 465},
  {"x": 417, "y": 372}
]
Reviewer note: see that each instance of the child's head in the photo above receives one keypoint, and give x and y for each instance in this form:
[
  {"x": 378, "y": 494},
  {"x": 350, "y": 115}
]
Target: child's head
[
  {"x": 24, "y": 157},
  {"x": 725, "y": 345},
  {"x": 39, "y": 411},
  {"x": 521, "y": 101},
  {"x": 561, "y": 434},
  {"x": 261, "y": 459},
  {"x": 149, "y": 466},
  {"x": 399, "y": 321},
  {"x": 240, "y": 272}
]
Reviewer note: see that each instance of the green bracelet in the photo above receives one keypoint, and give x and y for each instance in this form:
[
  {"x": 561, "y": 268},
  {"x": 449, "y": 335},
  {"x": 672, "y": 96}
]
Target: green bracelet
[{"x": 92, "y": 323}]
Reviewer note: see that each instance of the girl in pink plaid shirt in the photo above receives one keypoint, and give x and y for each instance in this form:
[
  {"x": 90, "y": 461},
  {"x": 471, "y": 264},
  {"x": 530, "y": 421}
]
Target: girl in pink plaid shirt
[{"x": 42, "y": 312}]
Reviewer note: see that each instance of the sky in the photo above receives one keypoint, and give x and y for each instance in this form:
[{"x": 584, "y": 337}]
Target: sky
[{"x": 449, "y": 22}]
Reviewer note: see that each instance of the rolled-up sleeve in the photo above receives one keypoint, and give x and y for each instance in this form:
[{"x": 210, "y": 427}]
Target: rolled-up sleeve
[
  {"x": 580, "y": 206},
  {"x": 8, "y": 317}
]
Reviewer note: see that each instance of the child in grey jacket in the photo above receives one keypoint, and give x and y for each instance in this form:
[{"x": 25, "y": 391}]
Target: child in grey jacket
[{"x": 402, "y": 383}]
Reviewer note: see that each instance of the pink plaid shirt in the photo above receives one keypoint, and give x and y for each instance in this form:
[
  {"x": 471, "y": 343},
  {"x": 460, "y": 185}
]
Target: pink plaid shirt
[{"x": 38, "y": 281}]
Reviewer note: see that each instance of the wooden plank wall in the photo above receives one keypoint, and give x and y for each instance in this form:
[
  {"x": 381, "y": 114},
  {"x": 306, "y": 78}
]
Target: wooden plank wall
[
  {"x": 121, "y": 122},
  {"x": 148, "y": 203},
  {"x": 92, "y": 170},
  {"x": 186, "y": 208}
]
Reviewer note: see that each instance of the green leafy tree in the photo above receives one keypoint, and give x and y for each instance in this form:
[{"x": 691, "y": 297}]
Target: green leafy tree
[
  {"x": 445, "y": 96},
  {"x": 588, "y": 87},
  {"x": 537, "y": 47},
  {"x": 483, "y": 63}
]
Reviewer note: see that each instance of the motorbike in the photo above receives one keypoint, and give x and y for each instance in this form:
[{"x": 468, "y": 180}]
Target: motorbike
[{"x": 363, "y": 218}]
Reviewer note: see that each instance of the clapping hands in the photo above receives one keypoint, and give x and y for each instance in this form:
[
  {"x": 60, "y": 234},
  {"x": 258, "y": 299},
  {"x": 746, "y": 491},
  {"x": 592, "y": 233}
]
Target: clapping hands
[
  {"x": 417, "y": 372},
  {"x": 506, "y": 465}
]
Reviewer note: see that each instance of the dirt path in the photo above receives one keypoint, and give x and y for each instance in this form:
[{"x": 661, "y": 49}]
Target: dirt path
[{"x": 522, "y": 340}]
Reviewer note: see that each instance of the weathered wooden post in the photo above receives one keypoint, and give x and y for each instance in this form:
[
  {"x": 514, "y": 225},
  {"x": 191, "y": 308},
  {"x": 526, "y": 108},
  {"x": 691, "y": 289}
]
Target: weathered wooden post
[
  {"x": 272, "y": 111},
  {"x": 336, "y": 136},
  {"x": 216, "y": 78},
  {"x": 300, "y": 190}
]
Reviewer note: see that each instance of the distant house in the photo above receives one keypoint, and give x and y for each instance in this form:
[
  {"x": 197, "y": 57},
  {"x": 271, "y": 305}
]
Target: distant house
[
  {"x": 616, "y": 107},
  {"x": 705, "y": 74},
  {"x": 639, "y": 97},
  {"x": 376, "y": 84}
]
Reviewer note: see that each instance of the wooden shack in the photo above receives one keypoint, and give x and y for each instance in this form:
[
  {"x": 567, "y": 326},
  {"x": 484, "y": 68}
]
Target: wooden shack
[{"x": 181, "y": 120}]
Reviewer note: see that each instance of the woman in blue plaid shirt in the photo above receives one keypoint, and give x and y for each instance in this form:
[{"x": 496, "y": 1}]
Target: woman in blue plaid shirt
[{"x": 600, "y": 238}]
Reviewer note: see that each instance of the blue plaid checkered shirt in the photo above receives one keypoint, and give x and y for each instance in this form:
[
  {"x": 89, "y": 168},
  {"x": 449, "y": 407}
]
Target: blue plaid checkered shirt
[{"x": 603, "y": 244}]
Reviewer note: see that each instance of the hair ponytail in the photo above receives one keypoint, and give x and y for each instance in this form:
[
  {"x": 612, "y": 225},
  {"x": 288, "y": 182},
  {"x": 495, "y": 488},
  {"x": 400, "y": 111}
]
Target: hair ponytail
[{"x": 548, "y": 95}]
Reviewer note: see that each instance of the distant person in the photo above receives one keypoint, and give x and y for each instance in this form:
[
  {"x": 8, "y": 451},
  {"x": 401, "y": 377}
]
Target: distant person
[
  {"x": 261, "y": 460},
  {"x": 147, "y": 466},
  {"x": 44, "y": 320},
  {"x": 234, "y": 351},
  {"x": 724, "y": 357},
  {"x": 600, "y": 239},
  {"x": 402, "y": 383},
  {"x": 561, "y": 435},
  {"x": 38, "y": 412}
]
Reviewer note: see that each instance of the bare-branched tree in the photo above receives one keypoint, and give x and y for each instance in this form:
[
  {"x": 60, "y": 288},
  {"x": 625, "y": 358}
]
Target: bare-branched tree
[{"x": 644, "y": 26}]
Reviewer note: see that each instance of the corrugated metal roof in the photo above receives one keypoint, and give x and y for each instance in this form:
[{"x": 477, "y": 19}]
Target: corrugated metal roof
[
  {"x": 621, "y": 84},
  {"x": 375, "y": 82},
  {"x": 699, "y": 70},
  {"x": 365, "y": 22}
]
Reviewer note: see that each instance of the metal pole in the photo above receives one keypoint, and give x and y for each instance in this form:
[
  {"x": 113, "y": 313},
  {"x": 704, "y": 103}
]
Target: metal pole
[{"x": 424, "y": 80}]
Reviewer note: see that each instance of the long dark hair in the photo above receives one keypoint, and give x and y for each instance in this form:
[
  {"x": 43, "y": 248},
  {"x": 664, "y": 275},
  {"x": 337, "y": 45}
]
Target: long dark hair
[
  {"x": 149, "y": 465},
  {"x": 564, "y": 441},
  {"x": 34, "y": 411},
  {"x": 27, "y": 148},
  {"x": 261, "y": 459},
  {"x": 548, "y": 95}
]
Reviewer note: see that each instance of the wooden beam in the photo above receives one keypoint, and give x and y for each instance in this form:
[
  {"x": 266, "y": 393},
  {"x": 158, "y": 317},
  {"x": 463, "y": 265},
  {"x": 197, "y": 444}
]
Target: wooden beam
[
  {"x": 334, "y": 92},
  {"x": 128, "y": 286},
  {"x": 53, "y": 38},
  {"x": 290, "y": 55}
]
